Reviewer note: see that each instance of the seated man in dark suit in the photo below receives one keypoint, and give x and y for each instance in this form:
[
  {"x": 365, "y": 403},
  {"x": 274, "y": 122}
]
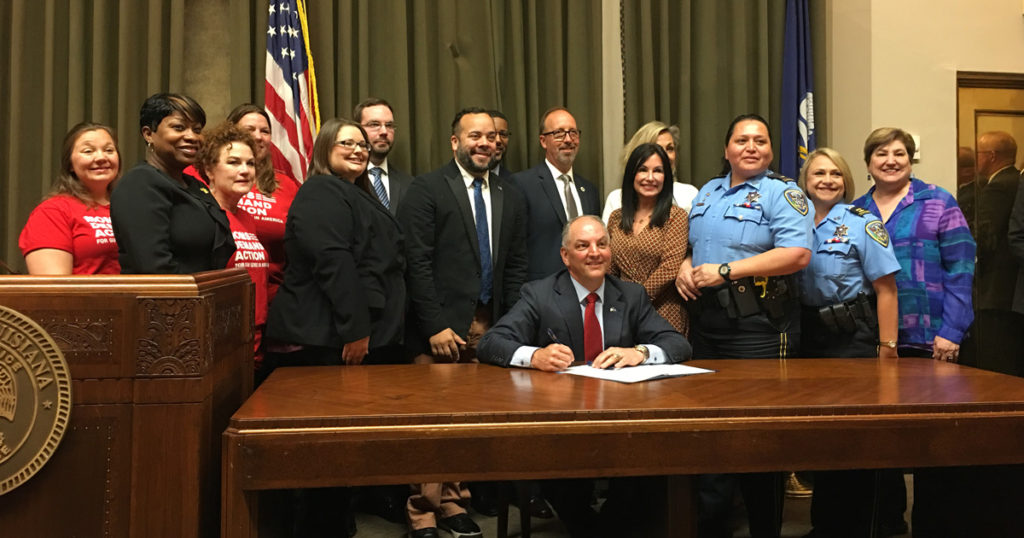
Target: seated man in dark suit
[{"x": 583, "y": 314}]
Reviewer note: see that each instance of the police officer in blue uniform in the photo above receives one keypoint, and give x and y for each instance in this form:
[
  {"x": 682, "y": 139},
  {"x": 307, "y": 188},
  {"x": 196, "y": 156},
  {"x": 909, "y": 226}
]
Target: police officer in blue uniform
[
  {"x": 852, "y": 264},
  {"x": 749, "y": 233},
  {"x": 849, "y": 310}
]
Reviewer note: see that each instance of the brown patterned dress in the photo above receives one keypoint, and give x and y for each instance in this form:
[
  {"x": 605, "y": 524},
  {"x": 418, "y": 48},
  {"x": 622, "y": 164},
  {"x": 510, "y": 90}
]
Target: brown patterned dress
[{"x": 652, "y": 259}]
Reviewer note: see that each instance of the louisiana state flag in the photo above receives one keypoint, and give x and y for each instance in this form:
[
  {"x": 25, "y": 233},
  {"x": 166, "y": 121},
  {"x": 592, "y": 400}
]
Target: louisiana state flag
[{"x": 797, "y": 91}]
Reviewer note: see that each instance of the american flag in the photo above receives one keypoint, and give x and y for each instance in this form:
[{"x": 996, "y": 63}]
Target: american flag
[{"x": 290, "y": 88}]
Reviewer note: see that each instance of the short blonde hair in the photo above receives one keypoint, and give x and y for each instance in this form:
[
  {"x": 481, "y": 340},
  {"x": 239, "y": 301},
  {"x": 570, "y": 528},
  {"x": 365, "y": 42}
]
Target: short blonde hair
[
  {"x": 882, "y": 136},
  {"x": 648, "y": 133},
  {"x": 839, "y": 161}
]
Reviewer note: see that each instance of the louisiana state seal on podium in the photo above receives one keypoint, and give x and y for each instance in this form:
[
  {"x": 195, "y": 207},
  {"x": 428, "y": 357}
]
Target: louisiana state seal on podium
[{"x": 35, "y": 398}]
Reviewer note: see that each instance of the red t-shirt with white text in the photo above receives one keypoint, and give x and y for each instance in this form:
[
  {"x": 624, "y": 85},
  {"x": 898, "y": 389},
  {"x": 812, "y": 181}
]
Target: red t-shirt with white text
[
  {"x": 270, "y": 213},
  {"x": 251, "y": 256},
  {"x": 66, "y": 223}
]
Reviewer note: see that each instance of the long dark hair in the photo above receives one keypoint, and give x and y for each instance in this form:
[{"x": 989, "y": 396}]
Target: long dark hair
[
  {"x": 726, "y": 167},
  {"x": 663, "y": 204}
]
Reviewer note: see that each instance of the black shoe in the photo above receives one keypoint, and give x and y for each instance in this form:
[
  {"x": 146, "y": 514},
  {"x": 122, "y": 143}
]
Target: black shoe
[
  {"x": 461, "y": 526},
  {"x": 539, "y": 507},
  {"x": 429, "y": 532},
  {"x": 391, "y": 508},
  {"x": 484, "y": 504}
]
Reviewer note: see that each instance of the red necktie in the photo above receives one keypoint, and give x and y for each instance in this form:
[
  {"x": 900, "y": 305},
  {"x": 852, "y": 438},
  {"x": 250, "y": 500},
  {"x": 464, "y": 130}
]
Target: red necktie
[{"x": 592, "y": 341}]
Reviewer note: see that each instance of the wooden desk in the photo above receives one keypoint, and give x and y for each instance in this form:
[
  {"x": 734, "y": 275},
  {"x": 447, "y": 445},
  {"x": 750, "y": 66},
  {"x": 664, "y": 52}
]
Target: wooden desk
[{"x": 312, "y": 427}]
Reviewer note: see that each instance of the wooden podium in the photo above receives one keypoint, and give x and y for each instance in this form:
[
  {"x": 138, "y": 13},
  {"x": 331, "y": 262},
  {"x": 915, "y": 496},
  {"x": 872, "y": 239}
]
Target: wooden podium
[{"x": 158, "y": 364}]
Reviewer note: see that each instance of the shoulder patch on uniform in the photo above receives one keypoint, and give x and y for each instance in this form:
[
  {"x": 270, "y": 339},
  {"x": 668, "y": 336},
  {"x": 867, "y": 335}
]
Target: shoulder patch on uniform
[
  {"x": 876, "y": 230},
  {"x": 776, "y": 175},
  {"x": 796, "y": 198},
  {"x": 859, "y": 211}
]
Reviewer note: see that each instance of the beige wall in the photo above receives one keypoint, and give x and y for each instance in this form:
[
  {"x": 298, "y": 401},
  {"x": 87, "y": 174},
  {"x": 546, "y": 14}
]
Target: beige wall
[{"x": 894, "y": 63}]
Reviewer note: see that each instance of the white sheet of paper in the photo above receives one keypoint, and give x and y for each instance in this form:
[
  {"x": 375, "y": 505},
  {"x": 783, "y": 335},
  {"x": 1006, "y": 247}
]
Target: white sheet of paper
[{"x": 633, "y": 374}]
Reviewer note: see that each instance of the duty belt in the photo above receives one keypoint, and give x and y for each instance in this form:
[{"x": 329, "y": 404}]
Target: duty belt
[
  {"x": 841, "y": 318},
  {"x": 751, "y": 295}
]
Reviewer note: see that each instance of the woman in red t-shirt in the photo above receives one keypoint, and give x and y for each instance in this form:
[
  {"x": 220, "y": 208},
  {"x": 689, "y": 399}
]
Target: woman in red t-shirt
[
  {"x": 69, "y": 233},
  {"x": 271, "y": 194},
  {"x": 228, "y": 165}
]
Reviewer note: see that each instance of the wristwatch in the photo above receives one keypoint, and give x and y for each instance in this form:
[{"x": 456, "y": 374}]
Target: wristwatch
[
  {"x": 643, "y": 351},
  {"x": 724, "y": 271},
  {"x": 891, "y": 344}
]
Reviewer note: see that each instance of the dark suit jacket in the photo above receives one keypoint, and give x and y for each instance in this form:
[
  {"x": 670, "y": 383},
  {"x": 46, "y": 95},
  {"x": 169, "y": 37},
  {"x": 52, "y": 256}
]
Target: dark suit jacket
[
  {"x": 546, "y": 216},
  {"x": 995, "y": 274},
  {"x": 551, "y": 303},
  {"x": 504, "y": 173},
  {"x": 1016, "y": 245},
  {"x": 162, "y": 227},
  {"x": 345, "y": 276},
  {"x": 444, "y": 260},
  {"x": 399, "y": 182}
]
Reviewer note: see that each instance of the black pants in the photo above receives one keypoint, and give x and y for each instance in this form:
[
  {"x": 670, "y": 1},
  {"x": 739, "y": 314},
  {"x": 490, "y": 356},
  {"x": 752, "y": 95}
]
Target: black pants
[
  {"x": 634, "y": 507},
  {"x": 716, "y": 336}
]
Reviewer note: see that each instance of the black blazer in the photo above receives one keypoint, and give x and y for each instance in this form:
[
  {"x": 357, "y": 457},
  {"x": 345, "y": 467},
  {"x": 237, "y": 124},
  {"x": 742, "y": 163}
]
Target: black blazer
[
  {"x": 399, "y": 182},
  {"x": 995, "y": 275},
  {"x": 162, "y": 227},
  {"x": 551, "y": 303},
  {"x": 1016, "y": 245},
  {"x": 546, "y": 216},
  {"x": 444, "y": 260},
  {"x": 344, "y": 278}
]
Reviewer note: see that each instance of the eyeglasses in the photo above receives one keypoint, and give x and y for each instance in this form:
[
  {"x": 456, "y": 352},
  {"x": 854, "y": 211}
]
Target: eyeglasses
[
  {"x": 376, "y": 125},
  {"x": 504, "y": 134},
  {"x": 560, "y": 134},
  {"x": 351, "y": 145}
]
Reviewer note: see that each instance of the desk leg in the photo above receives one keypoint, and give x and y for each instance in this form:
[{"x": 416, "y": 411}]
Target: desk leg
[
  {"x": 239, "y": 508},
  {"x": 681, "y": 507}
]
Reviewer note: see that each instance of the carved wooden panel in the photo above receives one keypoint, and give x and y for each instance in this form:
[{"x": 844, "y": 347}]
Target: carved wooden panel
[
  {"x": 85, "y": 336},
  {"x": 169, "y": 341}
]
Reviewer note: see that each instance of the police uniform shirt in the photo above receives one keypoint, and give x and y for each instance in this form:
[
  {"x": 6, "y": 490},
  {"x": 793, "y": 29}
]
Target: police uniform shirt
[
  {"x": 851, "y": 250},
  {"x": 729, "y": 224}
]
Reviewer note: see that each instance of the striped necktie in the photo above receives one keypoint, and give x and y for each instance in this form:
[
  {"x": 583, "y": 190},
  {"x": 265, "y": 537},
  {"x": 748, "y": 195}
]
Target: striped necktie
[{"x": 378, "y": 187}]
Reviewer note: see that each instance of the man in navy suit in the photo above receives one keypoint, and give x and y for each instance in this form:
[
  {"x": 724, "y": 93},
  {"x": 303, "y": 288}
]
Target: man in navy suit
[
  {"x": 390, "y": 183},
  {"x": 552, "y": 327},
  {"x": 466, "y": 260},
  {"x": 554, "y": 193}
]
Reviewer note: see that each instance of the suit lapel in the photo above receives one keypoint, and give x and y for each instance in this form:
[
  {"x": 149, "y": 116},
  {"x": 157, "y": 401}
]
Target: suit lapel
[
  {"x": 569, "y": 307},
  {"x": 497, "y": 210},
  {"x": 586, "y": 208},
  {"x": 547, "y": 184},
  {"x": 453, "y": 178},
  {"x": 614, "y": 307}
]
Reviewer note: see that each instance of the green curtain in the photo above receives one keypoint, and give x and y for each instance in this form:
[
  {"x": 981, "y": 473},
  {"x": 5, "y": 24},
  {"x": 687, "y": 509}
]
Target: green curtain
[
  {"x": 430, "y": 59},
  {"x": 698, "y": 64}
]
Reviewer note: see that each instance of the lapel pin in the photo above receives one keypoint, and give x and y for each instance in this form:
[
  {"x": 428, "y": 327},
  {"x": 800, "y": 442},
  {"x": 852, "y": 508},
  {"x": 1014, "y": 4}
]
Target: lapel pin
[
  {"x": 611, "y": 309},
  {"x": 583, "y": 189}
]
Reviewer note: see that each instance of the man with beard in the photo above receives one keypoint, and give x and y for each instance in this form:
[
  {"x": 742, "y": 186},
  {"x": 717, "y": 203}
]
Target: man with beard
[
  {"x": 466, "y": 255},
  {"x": 554, "y": 194},
  {"x": 504, "y": 135},
  {"x": 390, "y": 183}
]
